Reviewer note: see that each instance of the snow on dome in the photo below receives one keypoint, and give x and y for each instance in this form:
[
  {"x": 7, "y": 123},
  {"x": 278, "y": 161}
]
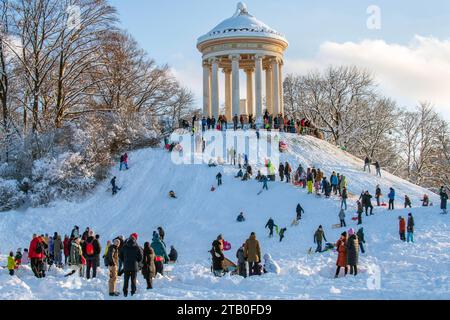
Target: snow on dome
[{"x": 242, "y": 24}]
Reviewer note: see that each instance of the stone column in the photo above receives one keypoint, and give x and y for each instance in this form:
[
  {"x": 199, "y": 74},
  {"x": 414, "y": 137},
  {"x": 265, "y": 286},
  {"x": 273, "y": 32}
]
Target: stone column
[
  {"x": 215, "y": 88},
  {"x": 276, "y": 87},
  {"x": 206, "y": 89},
  {"x": 280, "y": 67},
  {"x": 228, "y": 95},
  {"x": 269, "y": 100},
  {"x": 250, "y": 105},
  {"x": 258, "y": 87},
  {"x": 236, "y": 100}
]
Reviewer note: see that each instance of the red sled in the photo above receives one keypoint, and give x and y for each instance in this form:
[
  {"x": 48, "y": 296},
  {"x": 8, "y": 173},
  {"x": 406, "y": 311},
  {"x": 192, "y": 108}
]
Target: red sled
[
  {"x": 226, "y": 246},
  {"x": 384, "y": 204},
  {"x": 355, "y": 218}
]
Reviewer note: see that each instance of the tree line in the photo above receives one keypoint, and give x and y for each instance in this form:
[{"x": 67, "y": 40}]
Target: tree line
[{"x": 345, "y": 103}]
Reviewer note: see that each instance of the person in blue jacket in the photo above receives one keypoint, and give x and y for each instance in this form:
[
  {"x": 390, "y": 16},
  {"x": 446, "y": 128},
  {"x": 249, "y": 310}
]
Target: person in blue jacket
[
  {"x": 391, "y": 197},
  {"x": 161, "y": 256}
]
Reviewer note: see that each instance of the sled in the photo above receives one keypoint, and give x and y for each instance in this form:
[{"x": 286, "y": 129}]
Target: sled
[
  {"x": 283, "y": 146},
  {"x": 336, "y": 226},
  {"x": 226, "y": 246},
  {"x": 384, "y": 204},
  {"x": 229, "y": 266},
  {"x": 295, "y": 222},
  {"x": 355, "y": 219}
]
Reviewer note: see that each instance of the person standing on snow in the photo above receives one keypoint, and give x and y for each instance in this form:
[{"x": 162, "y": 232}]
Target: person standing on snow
[
  {"x": 58, "y": 248},
  {"x": 361, "y": 240},
  {"x": 242, "y": 262},
  {"x": 173, "y": 255},
  {"x": 309, "y": 181},
  {"x": 391, "y": 197},
  {"x": 444, "y": 197},
  {"x": 115, "y": 188},
  {"x": 341, "y": 248},
  {"x": 299, "y": 211},
  {"x": 217, "y": 258},
  {"x": 131, "y": 255},
  {"x": 76, "y": 259},
  {"x": 113, "y": 266},
  {"x": 66, "y": 245},
  {"x": 219, "y": 179},
  {"x": 402, "y": 228},
  {"x": 281, "y": 233},
  {"x": 410, "y": 228},
  {"x": 319, "y": 236},
  {"x": 287, "y": 172},
  {"x": 281, "y": 171},
  {"x": 148, "y": 267},
  {"x": 265, "y": 180},
  {"x": 91, "y": 251},
  {"x": 342, "y": 218},
  {"x": 352, "y": 252},
  {"x": 334, "y": 183},
  {"x": 378, "y": 195},
  {"x": 378, "y": 168},
  {"x": 344, "y": 197},
  {"x": 270, "y": 224},
  {"x": 367, "y": 164},
  {"x": 252, "y": 252},
  {"x": 36, "y": 255},
  {"x": 367, "y": 202}
]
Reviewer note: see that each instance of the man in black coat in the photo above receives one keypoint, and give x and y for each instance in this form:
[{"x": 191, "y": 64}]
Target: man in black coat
[
  {"x": 131, "y": 255},
  {"x": 367, "y": 202},
  {"x": 270, "y": 224},
  {"x": 299, "y": 212}
]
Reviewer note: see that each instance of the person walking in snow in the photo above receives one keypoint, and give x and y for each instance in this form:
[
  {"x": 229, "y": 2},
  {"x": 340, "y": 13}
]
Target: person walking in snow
[
  {"x": 242, "y": 262},
  {"x": 342, "y": 218},
  {"x": 11, "y": 265},
  {"x": 299, "y": 211},
  {"x": 378, "y": 195},
  {"x": 352, "y": 252},
  {"x": 444, "y": 197},
  {"x": 367, "y": 202},
  {"x": 407, "y": 202},
  {"x": 287, "y": 172},
  {"x": 161, "y": 233},
  {"x": 25, "y": 257},
  {"x": 281, "y": 233},
  {"x": 270, "y": 266},
  {"x": 219, "y": 179},
  {"x": 319, "y": 236},
  {"x": 391, "y": 197},
  {"x": 281, "y": 171},
  {"x": 378, "y": 168},
  {"x": 410, "y": 229},
  {"x": 341, "y": 248},
  {"x": 361, "y": 240},
  {"x": 359, "y": 211},
  {"x": 115, "y": 188},
  {"x": 367, "y": 164},
  {"x": 131, "y": 255},
  {"x": 148, "y": 266},
  {"x": 113, "y": 267},
  {"x": 252, "y": 252},
  {"x": 66, "y": 244},
  {"x": 270, "y": 224},
  {"x": 402, "y": 228},
  {"x": 344, "y": 197}
]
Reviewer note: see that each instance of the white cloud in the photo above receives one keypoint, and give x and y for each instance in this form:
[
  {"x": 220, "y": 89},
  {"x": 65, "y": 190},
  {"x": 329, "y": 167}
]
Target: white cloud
[{"x": 419, "y": 71}]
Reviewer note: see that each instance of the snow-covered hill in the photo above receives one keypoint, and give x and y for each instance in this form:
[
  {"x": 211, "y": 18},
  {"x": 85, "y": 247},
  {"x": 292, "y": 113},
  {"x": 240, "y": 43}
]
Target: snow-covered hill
[{"x": 193, "y": 221}]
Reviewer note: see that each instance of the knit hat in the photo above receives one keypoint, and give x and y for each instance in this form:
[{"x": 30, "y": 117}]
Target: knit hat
[
  {"x": 351, "y": 232},
  {"x": 135, "y": 236}
]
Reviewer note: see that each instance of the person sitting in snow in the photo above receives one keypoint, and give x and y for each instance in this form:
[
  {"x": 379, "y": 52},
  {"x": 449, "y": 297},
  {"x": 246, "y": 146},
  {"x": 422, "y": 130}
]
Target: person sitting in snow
[
  {"x": 425, "y": 200},
  {"x": 172, "y": 195},
  {"x": 270, "y": 266},
  {"x": 240, "y": 174},
  {"x": 259, "y": 176},
  {"x": 240, "y": 217},
  {"x": 407, "y": 202}
]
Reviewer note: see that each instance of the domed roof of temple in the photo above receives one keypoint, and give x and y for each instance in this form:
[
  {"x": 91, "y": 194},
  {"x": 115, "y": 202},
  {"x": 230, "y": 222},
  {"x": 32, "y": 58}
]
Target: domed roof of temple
[{"x": 242, "y": 25}]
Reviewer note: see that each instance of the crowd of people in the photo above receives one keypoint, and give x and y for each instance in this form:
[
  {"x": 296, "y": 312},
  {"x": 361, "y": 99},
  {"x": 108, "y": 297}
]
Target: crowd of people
[{"x": 81, "y": 254}]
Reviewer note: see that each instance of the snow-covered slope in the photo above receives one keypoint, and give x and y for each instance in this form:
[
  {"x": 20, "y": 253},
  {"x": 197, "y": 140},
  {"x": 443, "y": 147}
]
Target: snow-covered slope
[{"x": 195, "y": 219}]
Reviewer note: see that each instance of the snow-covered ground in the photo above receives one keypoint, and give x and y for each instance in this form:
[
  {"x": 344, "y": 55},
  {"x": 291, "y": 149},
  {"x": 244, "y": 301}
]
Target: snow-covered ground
[{"x": 193, "y": 221}]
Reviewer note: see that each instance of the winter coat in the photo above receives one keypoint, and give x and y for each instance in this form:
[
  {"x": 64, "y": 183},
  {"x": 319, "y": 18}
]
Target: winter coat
[
  {"x": 407, "y": 201},
  {"x": 173, "y": 255},
  {"x": 344, "y": 194},
  {"x": 366, "y": 200},
  {"x": 113, "y": 255},
  {"x": 159, "y": 248},
  {"x": 342, "y": 214},
  {"x": 32, "y": 250},
  {"x": 131, "y": 255},
  {"x": 66, "y": 245},
  {"x": 300, "y": 210},
  {"x": 270, "y": 224},
  {"x": 334, "y": 180},
  {"x": 240, "y": 255},
  {"x": 217, "y": 256},
  {"x": 391, "y": 195},
  {"x": 11, "y": 263},
  {"x": 352, "y": 250},
  {"x": 75, "y": 254},
  {"x": 252, "y": 250},
  {"x": 410, "y": 226},
  {"x": 342, "y": 253},
  {"x": 402, "y": 225},
  {"x": 270, "y": 265},
  {"x": 378, "y": 192},
  {"x": 57, "y": 245},
  {"x": 319, "y": 236},
  {"x": 95, "y": 244},
  {"x": 148, "y": 267},
  {"x": 360, "y": 235}
]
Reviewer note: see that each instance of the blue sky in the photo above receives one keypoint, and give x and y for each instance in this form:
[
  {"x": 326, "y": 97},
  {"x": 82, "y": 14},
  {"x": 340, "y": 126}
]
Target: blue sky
[{"x": 168, "y": 31}]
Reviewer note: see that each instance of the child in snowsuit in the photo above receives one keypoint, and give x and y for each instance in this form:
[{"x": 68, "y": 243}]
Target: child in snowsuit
[
  {"x": 402, "y": 228},
  {"x": 11, "y": 263},
  {"x": 281, "y": 233}
]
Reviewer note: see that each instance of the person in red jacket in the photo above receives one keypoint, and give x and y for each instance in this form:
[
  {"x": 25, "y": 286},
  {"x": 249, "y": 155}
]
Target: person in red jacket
[
  {"x": 36, "y": 255},
  {"x": 402, "y": 228},
  {"x": 66, "y": 245}
]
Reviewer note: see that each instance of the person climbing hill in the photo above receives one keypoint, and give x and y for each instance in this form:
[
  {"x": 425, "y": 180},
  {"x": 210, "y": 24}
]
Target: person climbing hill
[
  {"x": 270, "y": 224},
  {"x": 319, "y": 236}
]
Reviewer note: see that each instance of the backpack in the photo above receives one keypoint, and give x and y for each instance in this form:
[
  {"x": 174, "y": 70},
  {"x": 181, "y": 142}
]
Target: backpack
[
  {"x": 39, "y": 248},
  {"x": 89, "y": 249}
]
